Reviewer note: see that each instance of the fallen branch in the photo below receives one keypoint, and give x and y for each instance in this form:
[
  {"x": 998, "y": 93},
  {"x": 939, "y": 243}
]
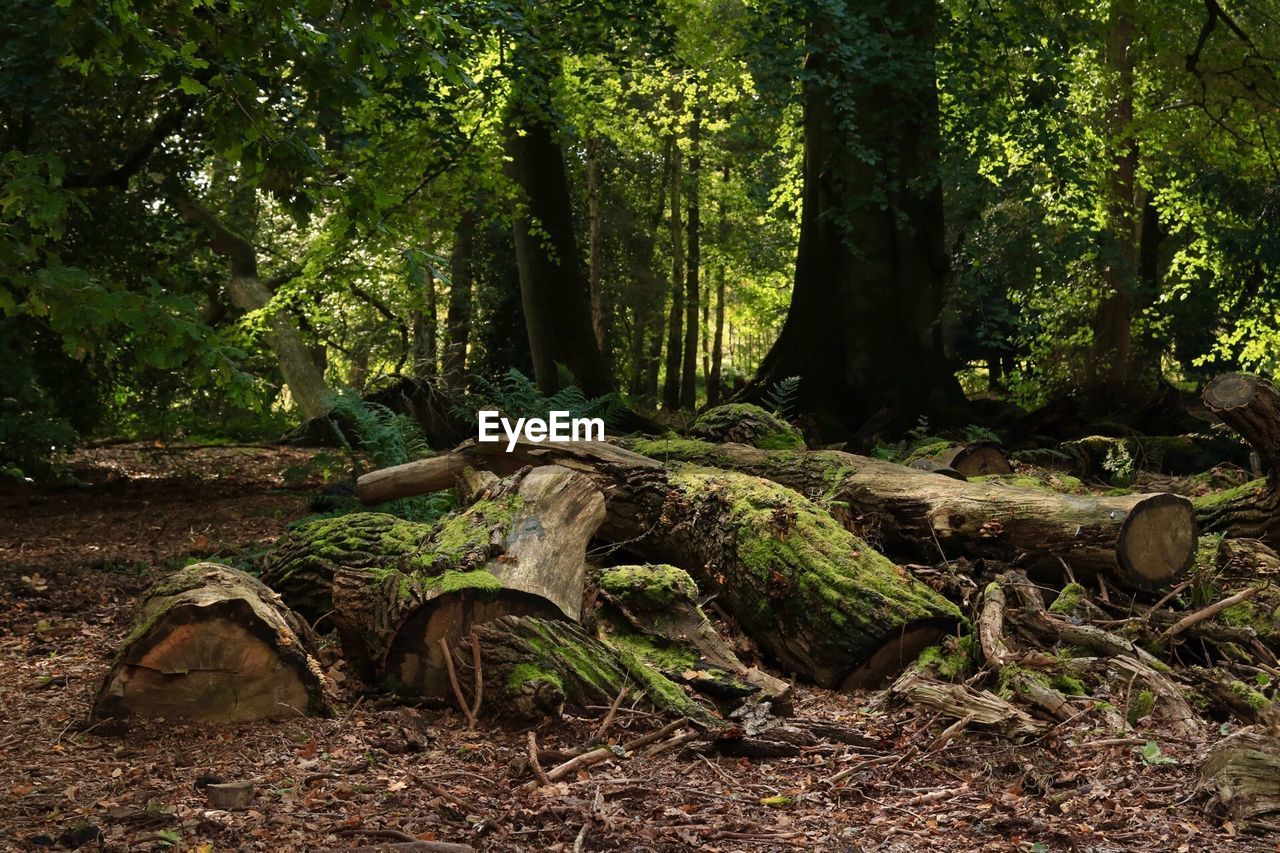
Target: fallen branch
[{"x": 1207, "y": 612}]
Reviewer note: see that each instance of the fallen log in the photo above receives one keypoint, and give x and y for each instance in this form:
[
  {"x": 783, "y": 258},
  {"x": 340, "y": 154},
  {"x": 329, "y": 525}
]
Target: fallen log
[
  {"x": 1243, "y": 772},
  {"x": 1143, "y": 541},
  {"x": 1121, "y": 460},
  {"x": 1251, "y": 406},
  {"x": 818, "y": 600},
  {"x": 972, "y": 459},
  {"x": 212, "y": 644},
  {"x": 975, "y": 707},
  {"x": 521, "y": 551}
]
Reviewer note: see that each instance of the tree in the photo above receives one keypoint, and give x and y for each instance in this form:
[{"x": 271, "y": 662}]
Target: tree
[{"x": 863, "y": 329}]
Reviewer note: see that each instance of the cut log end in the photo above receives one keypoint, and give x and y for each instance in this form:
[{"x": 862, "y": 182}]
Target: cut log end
[
  {"x": 976, "y": 460},
  {"x": 212, "y": 645},
  {"x": 901, "y": 650},
  {"x": 1157, "y": 543},
  {"x": 1231, "y": 391}
]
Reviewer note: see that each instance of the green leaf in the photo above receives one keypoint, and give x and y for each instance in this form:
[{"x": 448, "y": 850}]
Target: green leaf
[{"x": 191, "y": 86}]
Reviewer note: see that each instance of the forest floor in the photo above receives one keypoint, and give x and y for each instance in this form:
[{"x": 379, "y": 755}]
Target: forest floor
[{"x": 74, "y": 560}]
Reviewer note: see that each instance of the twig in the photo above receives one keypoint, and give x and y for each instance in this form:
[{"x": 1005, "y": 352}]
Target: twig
[
  {"x": 608, "y": 718},
  {"x": 949, "y": 732},
  {"x": 658, "y": 734},
  {"x": 453, "y": 681},
  {"x": 580, "y": 762},
  {"x": 675, "y": 742},
  {"x": 533, "y": 760},
  {"x": 1167, "y": 597},
  {"x": 1207, "y": 612}
]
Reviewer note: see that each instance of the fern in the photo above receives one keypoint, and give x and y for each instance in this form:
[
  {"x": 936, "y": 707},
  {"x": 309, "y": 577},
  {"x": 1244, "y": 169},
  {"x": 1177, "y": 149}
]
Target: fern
[
  {"x": 389, "y": 438},
  {"x": 516, "y": 395},
  {"x": 782, "y": 396},
  {"x": 974, "y": 434}
]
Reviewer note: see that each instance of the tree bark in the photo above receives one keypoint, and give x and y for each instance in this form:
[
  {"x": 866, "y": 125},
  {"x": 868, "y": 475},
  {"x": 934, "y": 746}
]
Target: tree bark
[
  {"x": 1251, "y": 406},
  {"x": 818, "y": 600},
  {"x": 1144, "y": 541},
  {"x": 426, "y": 330},
  {"x": 305, "y": 380},
  {"x": 593, "y": 241},
  {"x": 863, "y": 327},
  {"x": 1243, "y": 772},
  {"x": 675, "y": 333},
  {"x": 689, "y": 374},
  {"x": 213, "y": 645},
  {"x": 554, "y": 293},
  {"x": 458, "y": 320},
  {"x": 717, "y": 341}
]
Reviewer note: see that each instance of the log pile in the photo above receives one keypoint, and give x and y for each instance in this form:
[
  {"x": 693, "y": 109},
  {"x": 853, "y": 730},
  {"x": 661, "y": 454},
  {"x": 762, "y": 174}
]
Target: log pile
[{"x": 705, "y": 576}]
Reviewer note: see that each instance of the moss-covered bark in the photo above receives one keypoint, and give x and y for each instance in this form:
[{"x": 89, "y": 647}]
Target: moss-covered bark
[
  {"x": 1140, "y": 540},
  {"x": 744, "y": 423},
  {"x": 818, "y": 600}
]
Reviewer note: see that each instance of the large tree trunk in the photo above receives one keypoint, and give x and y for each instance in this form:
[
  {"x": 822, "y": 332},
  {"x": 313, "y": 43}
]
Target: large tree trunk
[
  {"x": 593, "y": 241},
  {"x": 689, "y": 374},
  {"x": 863, "y": 328},
  {"x": 458, "y": 320},
  {"x": 818, "y": 600},
  {"x": 675, "y": 334},
  {"x": 213, "y": 645},
  {"x": 1145, "y": 541},
  {"x": 1251, "y": 406},
  {"x": 557, "y": 303}
]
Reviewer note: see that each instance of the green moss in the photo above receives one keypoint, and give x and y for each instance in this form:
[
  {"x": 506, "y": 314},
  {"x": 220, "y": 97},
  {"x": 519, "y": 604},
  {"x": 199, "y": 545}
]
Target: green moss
[
  {"x": 649, "y": 587},
  {"x": 664, "y": 693},
  {"x": 951, "y": 662},
  {"x": 1069, "y": 600},
  {"x": 748, "y": 424},
  {"x": 928, "y": 450},
  {"x": 1207, "y": 549},
  {"x": 1250, "y": 614},
  {"x": 1069, "y": 684},
  {"x": 671, "y": 657},
  {"x": 671, "y": 446},
  {"x": 1251, "y": 697},
  {"x": 1047, "y": 481},
  {"x": 526, "y": 673},
  {"x": 804, "y": 559},
  {"x": 479, "y": 580},
  {"x": 1215, "y": 500},
  {"x": 1012, "y": 676},
  {"x": 1141, "y": 705}
]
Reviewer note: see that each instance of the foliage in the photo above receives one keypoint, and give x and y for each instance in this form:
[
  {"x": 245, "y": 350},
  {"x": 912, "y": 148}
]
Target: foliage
[
  {"x": 517, "y": 396},
  {"x": 780, "y": 398}
]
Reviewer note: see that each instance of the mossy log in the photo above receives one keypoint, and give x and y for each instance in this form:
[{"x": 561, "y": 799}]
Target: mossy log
[
  {"x": 1143, "y": 541},
  {"x": 1243, "y": 772},
  {"x": 1251, "y": 406},
  {"x": 213, "y": 645},
  {"x": 660, "y": 602},
  {"x": 520, "y": 551},
  {"x": 972, "y": 459},
  {"x": 748, "y": 424},
  {"x": 534, "y": 668},
  {"x": 817, "y": 600}
]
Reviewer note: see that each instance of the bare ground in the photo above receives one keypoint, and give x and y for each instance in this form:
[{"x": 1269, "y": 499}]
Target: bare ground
[{"x": 73, "y": 560}]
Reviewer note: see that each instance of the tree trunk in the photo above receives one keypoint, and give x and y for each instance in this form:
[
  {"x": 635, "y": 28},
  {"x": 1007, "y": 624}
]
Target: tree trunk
[
  {"x": 212, "y": 645},
  {"x": 1144, "y": 541},
  {"x": 649, "y": 296},
  {"x": 717, "y": 341},
  {"x": 1243, "y": 772},
  {"x": 863, "y": 327},
  {"x": 1112, "y": 372},
  {"x": 425, "y": 330},
  {"x": 1251, "y": 406},
  {"x": 304, "y": 379},
  {"x": 675, "y": 334},
  {"x": 458, "y": 320},
  {"x": 689, "y": 375},
  {"x": 554, "y": 293},
  {"x": 593, "y": 242},
  {"x": 522, "y": 551},
  {"x": 818, "y": 600}
]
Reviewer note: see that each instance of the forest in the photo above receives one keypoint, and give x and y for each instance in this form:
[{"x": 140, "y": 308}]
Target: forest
[{"x": 934, "y": 344}]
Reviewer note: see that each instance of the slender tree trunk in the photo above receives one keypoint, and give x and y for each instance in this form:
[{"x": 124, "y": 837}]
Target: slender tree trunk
[
  {"x": 692, "y": 297},
  {"x": 425, "y": 331},
  {"x": 458, "y": 321},
  {"x": 1112, "y": 374},
  {"x": 717, "y": 339},
  {"x": 248, "y": 292},
  {"x": 648, "y": 294},
  {"x": 593, "y": 240},
  {"x": 553, "y": 290},
  {"x": 675, "y": 332},
  {"x": 863, "y": 329}
]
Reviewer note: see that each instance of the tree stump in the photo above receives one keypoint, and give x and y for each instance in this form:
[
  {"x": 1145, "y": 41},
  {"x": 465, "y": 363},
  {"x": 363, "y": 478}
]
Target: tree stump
[{"x": 213, "y": 645}]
